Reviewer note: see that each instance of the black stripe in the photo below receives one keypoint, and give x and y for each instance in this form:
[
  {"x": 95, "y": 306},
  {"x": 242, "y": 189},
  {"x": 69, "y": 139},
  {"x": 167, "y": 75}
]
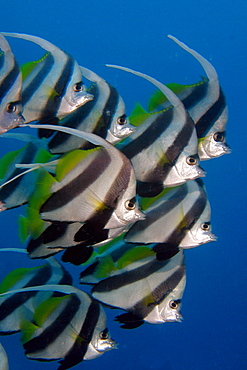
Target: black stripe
[
  {"x": 79, "y": 349},
  {"x": 189, "y": 220},
  {"x": 158, "y": 294},
  {"x": 129, "y": 277},
  {"x": 8, "y": 81},
  {"x": 52, "y": 104},
  {"x": 53, "y": 331},
  {"x": 198, "y": 93},
  {"x": 79, "y": 184},
  {"x": 207, "y": 121},
  {"x": 161, "y": 122},
  {"x": 37, "y": 81},
  {"x": 161, "y": 172},
  {"x": 159, "y": 211},
  {"x": 29, "y": 151},
  {"x": 110, "y": 108},
  {"x": 16, "y": 300}
]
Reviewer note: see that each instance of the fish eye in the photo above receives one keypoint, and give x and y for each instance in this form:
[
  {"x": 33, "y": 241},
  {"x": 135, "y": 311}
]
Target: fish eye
[
  {"x": 173, "y": 304},
  {"x": 11, "y": 107},
  {"x": 205, "y": 226},
  {"x": 78, "y": 87},
  {"x": 191, "y": 161},
  {"x": 219, "y": 136},
  {"x": 129, "y": 205},
  {"x": 104, "y": 334},
  {"x": 122, "y": 120}
]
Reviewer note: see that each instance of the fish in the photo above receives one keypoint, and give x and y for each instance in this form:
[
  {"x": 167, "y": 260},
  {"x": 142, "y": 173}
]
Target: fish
[
  {"x": 163, "y": 151},
  {"x": 17, "y": 306},
  {"x": 206, "y": 103},
  {"x": 69, "y": 328},
  {"x": 149, "y": 290},
  {"x": 10, "y": 89},
  {"x": 100, "y": 180},
  {"x": 17, "y": 184},
  {"x": 105, "y": 116},
  {"x": 4, "y": 364},
  {"x": 52, "y": 86},
  {"x": 179, "y": 217}
]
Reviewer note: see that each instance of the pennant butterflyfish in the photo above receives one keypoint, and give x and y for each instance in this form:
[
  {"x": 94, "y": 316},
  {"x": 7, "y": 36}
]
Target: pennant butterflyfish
[
  {"x": 10, "y": 89},
  {"x": 95, "y": 187},
  {"x": 206, "y": 104},
  {"x": 149, "y": 290},
  {"x": 163, "y": 150},
  {"x": 69, "y": 328},
  {"x": 52, "y": 86},
  {"x": 179, "y": 217},
  {"x": 105, "y": 116}
]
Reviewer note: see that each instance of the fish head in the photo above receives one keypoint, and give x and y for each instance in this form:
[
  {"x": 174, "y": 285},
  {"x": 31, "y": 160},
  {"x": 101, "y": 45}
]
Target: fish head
[
  {"x": 169, "y": 308},
  {"x": 101, "y": 340},
  {"x": 76, "y": 96},
  {"x": 200, "y": 232},
  {"x": 10, "y": 116},
  {"x": 213, "y": 145},
  {"x": 120, "y": 127},
  {"x": 186, "y": 168}
]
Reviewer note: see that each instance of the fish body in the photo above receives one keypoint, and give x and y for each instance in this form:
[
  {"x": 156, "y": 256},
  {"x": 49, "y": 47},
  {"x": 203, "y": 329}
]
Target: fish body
[
  {"x": 52, "y": 86},
  {"x": 4, "y": 364},
  {"x": 17, "y": 306},
  {"x": 149, "y": 290},
  {"x": 68, "y": 328},
  {"x": 10, "y": 89},
  {"x": 105, "y": 116},
  {"x": 179, "y": 218},
  {"x": 206, "y": 104},
  {"x": 164, "y": 148}
]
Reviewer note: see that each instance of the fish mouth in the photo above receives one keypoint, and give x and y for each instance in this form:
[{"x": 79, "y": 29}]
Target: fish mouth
[{"x": 84, "y": 99}]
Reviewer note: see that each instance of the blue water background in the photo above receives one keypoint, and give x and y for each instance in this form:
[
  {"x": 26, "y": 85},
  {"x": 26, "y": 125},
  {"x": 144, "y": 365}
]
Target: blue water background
[{"x": 133, "y": 33}]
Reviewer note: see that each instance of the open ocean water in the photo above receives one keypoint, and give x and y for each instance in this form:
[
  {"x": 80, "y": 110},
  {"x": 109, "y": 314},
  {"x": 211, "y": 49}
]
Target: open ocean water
[{"x": 133, "y": 33}]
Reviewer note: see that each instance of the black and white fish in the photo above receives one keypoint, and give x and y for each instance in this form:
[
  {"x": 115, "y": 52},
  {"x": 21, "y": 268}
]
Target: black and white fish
[
  {"x": 10, "y": 89},
  {"x": 163, "y": 150},
  {"x": 149, "y": 290},
  {"x": 179, "y": 217},
  {"x": 71, "y": 328},
  {"x": 105, "y": 116},
  {"x": 52, "y": 86}
]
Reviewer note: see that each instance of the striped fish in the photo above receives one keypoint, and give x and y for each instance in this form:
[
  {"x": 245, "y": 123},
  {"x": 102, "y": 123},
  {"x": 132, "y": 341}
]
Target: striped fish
[
  {"x": 4, "y": 364},
  {"x": 70, "y": 328},
  {"x": 15, "y": 187},
  {"x": 101, "y": 179},
  {"x": 52, "y": 86},
  {"x": 10, "y": 89},
  {"x": 180, "y": 217},
  {"x": 18, "y": 306},
  {"x": 105, "y": 116},
  {"x": 163, "y": 150},
  {"x": 149, "y": 290},
  {"x": 206, "y": 104},
  {"x": 95, "y": 187}
]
